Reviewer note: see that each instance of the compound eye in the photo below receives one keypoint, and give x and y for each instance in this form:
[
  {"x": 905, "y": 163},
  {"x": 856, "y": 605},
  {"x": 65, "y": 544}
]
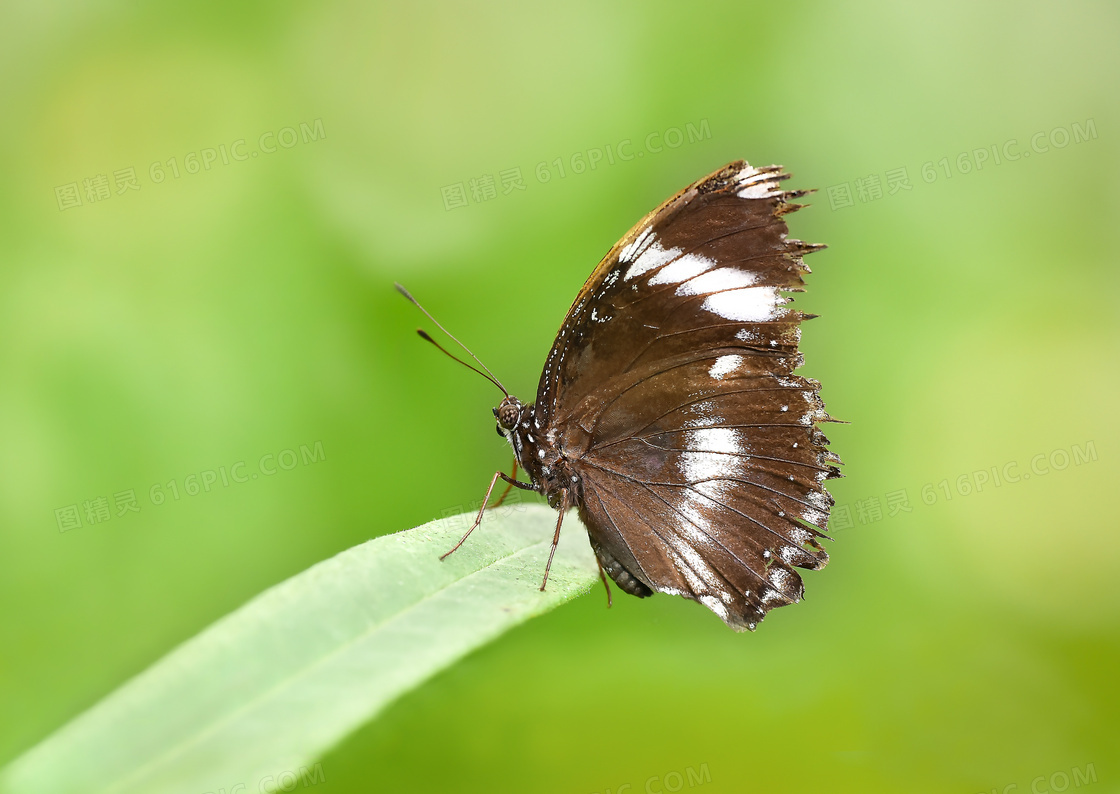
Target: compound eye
[
  {"x": 507, "y": 415},
  {"x": 499, "y": 429}
]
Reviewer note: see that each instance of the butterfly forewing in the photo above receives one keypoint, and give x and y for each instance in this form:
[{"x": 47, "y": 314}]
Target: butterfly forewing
[{"x": 671, "y": 389}]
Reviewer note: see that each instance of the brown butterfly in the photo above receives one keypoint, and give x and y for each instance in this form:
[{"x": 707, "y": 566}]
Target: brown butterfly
[{"x": 669, "y": 414}]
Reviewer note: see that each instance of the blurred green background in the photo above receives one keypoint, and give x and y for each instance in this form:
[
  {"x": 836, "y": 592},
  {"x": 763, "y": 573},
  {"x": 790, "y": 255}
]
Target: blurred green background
[{"x": 967, "y": 160}]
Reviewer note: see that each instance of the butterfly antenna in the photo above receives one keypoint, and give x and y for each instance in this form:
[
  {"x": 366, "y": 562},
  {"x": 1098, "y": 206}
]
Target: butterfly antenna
[
  {"x": 424, "y": 335},
  {"x": 490, "y": 376}
]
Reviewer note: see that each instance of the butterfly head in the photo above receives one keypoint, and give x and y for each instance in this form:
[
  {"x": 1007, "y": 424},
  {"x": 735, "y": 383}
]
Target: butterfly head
[{"x": 508, "y": 414}]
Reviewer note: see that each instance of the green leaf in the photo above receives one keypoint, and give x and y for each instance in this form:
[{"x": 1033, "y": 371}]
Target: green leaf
[{"x": 267, "y": 689}]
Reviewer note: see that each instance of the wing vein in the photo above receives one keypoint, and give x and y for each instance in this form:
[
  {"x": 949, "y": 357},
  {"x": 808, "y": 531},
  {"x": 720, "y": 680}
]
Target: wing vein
[{"x": 773, "y": 532}]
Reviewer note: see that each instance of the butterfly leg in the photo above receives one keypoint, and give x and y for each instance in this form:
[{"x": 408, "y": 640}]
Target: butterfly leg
[
  {"x": 565, "y": 503},
  {"x": 485, "y": 499},
  {"x": 509, "y": 486},
  {"x": 603, "y": 576}
]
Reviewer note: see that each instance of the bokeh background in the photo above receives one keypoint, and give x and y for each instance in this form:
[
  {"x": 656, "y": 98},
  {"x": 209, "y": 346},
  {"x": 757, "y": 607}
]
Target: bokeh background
[{"x": 154, "y": 327}]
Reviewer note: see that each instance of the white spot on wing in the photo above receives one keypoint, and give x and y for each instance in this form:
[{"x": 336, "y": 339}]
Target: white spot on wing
[
  {"x": 814, "y": 517},
  {"x": 725, "y": 365},
  {"x": 722, "y": 278},
  {"x": 771, "y": 595},
  {"x": 696, "y": 466},
  {"x": 693, "y": 507},
  {"x": 760, "y": 190},
  {"x": 756, "y": 184},
  {"x": 628, "y": 252},
  {"x": 683, "y": 269},
  {"x": 653, "y": 257},
  {"x": 695, "y": 583},
  {"x": 711, "y": 603},
  {"x": 749, "y": 305},
  {"x": 714, "y": 439},
  {"x": 716, "y": 490},
  {"x": 703, "y": 461}
]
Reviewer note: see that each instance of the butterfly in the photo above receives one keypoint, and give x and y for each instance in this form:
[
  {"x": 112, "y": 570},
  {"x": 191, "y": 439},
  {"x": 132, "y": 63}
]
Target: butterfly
[{"x": 668, "y": 411}]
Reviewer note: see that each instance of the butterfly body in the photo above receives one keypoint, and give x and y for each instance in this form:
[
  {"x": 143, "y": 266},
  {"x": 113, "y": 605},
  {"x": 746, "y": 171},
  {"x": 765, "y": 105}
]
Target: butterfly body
[
  {"x": 555, "y": 475},
  {"x": 537, "y": 454},
  {"x": 668, "y": 412}
]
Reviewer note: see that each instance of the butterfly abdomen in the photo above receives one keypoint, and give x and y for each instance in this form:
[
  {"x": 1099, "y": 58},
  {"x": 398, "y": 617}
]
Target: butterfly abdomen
[{"x": 625, "y": 580}]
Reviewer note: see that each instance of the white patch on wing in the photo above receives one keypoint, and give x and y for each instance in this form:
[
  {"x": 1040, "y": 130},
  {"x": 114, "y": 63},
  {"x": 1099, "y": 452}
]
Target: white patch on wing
[
  {"x": 756, "y": 184},
  {"x": 693, "y": 506},
  {"x": 696, "y": 571},
  {"x": 711, "y": 603},
  {"x": 695, "y": 583},
  {"x": 703, "y": 461},
  {"x": 750, "y": 175},
  {"x": 748, "y": 305},
  {"x": 818, "y": 499},
  {"x": 705, "y": 418},
  {"x": 715, "y": 491},
  {"x": 652, "y": 257},
  {"x": 713, "y": 439},
  {"x": 814, "y": 517},
  {"x": 771, "y": 595},
  {"x": 725, "y": 365},
  {"x": 683, "y": 269},
  {"x": 760, "y": 190},
  {"x": 628, "y": 252},
  {"x": 722, "y": 278},
  {"x": 696, "y": 466}
]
